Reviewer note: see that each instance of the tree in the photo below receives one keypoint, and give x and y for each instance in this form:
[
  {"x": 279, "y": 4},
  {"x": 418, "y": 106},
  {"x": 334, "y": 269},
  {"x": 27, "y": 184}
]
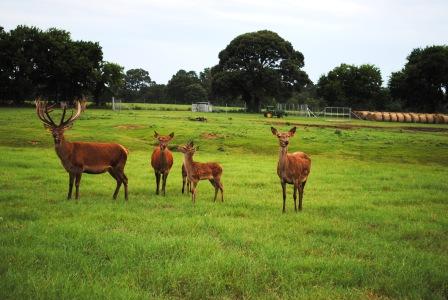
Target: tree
[
  {"x": 206, "y": 81},
  {"x": 136, "y": 80},
  {"x": 256, "y": 66},
  {"x": 155, "y": 93},
  {"x": 110, "y": 81},
  {"x": 179, "y": 85},
  {"x": 353, "y": 86},
  {"x": 46, "y": 63},
  {"x": 195, "y": 93},
  {"x": 422, "y": 84}
]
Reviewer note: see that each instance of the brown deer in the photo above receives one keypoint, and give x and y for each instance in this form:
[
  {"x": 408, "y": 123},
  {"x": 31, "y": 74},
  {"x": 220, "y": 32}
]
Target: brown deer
[
  {"x": 185, "y": 179},
  {"x": 83, "y": 157},
  {"x": 292, "y": 168},
  {"x": 201, "y": 171},
  {"x": 162, "y": 159}
]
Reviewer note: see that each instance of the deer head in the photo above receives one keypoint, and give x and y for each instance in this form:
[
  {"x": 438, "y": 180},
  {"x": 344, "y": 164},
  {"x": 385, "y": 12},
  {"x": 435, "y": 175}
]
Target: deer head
[
  {"x": 188, "y": 148},
  {"x": 43, "y": 112},
  {"x": 163, "y": 139},
  {"x": 283, "y": 137}
]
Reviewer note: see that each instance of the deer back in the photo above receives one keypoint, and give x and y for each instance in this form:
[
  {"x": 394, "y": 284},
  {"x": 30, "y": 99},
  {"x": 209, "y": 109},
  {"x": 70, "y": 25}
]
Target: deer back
[{"x": 296, "y": 167}]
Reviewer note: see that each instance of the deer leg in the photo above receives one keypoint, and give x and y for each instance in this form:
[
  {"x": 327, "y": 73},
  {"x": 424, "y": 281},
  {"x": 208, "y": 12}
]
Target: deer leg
[
  {"x": 184, "y": 179},
  {"x": 193, "y": 191},
  {"x": 284, "y": 194},
  {"x": 157, "y": 181},
  {"x": 70, "y": 185},
  {"x": 221, "y": 187},
  {"x": 301, "y": 188},
  {"x": 118, "y": 179},
  {"x": 215, "y": 185},
  {"x": 77, "y": 182},
  {"x": 164, "y": 178},
  {"x": 125, "y": 183},
  {"x": 296, "y": 187}
]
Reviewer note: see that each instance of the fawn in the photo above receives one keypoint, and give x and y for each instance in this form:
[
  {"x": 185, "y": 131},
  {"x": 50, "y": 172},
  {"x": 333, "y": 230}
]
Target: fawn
[
  {"x": 82, "y": 157},
  {"x": 200, "y": 171},
  {"x": 162, "y": 159},
  {"x": 292, "y": 168}
]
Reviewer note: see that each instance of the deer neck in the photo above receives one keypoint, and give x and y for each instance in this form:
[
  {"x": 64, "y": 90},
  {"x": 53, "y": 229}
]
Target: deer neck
[
  {"x": 283, "y": 157},
  {"x": 188, "y": 161},
  {"x": 163, "y": 160},
  {"x": 63, "y": 149}
]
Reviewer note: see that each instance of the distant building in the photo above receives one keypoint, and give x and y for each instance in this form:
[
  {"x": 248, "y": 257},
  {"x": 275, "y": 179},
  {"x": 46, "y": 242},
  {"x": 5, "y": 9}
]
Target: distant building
[{"x": 202, "y": 107}]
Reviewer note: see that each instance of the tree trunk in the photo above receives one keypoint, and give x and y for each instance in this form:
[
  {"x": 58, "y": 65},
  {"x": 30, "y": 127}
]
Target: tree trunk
[{"x": 252, "y": 103}]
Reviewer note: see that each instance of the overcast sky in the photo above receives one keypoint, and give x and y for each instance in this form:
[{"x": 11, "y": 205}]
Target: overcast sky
[{"x": 165, "y": 36}]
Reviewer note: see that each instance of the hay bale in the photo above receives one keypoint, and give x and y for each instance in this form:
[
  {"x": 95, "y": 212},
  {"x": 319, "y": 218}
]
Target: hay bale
[
  {"x": 400, "y": 117},
  {"x": 414, "y": 118},
  {"x": 444, "y": 119},
  {"x": 363, "y": 114},
  {"x": 386, "y": 116},
  {"x": 393, "y": 117},
  {"x": 422, "y": 118},
  {"x": 377, "y": 116},
  {"x": 430, "y": 118},
  {"x": 407, "y": 118}
]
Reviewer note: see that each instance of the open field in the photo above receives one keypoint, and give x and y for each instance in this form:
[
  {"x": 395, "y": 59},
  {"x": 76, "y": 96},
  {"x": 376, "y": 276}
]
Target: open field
[{"x": 374, "y": 224}]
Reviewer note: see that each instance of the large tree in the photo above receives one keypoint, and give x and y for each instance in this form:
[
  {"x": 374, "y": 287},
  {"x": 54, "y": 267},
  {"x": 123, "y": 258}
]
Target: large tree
[
  {"x": 46, "y": 63},
  {"x": 256, "y": 66},
  {"x": 422, "y": 84},
  {"x": 136, "y": 81},
  {"x": 353, "y": 86},
  {"x": 179, "y": 88},
  {"x": 110, "y": 81}
]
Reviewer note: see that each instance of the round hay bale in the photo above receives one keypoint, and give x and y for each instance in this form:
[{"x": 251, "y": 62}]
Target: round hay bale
[
  {"x": 393, "y": 117},
  {"x": 386, "y": 116},
  {"x": 422, "y": 118},
  {"x": 377, "y": 116},
  {"x": 438, "y": 119},
  {"x": 370, "y": 116},
  {"x": 407, "y": 118},
  {"x": 400, "y": 117},
  {"x": 444, "y": 119},
  {"x": 430, "y": 118},
  {"x": 414, "y": 118},
  {"x": 363, "y": 114}
]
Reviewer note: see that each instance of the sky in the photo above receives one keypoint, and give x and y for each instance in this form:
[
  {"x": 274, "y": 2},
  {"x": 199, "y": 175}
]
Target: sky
[{"x": 163, "y": 37}]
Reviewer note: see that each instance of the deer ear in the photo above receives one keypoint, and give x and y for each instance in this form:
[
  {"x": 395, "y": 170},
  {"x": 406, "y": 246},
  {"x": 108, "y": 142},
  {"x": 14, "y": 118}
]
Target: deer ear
[
  {"x": 292, "y": 131},
  {"x": 274, "y": 131},
  {"x": 156, "y": 135},
  {"x": 172, "y": 134}
]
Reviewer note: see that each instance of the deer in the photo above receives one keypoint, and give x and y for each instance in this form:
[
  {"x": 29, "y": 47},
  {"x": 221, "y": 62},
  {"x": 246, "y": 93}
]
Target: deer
[
  {"x": 83, "y": 157},
  {"x": 162, "y": 160},
  {"x": 292, "y": 168},
  {"x": 197, "y": 171},
  {"x": 185, "y": 179}
]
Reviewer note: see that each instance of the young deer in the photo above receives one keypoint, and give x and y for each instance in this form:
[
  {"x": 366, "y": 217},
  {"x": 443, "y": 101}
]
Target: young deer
[
  {"x": 293, "y": 168},
  {"x": 162, "y": 159},
  {"x": 200, "y": 171},
  {"x": 185, "y": 179},
  {"x": 82, "y": 157}
]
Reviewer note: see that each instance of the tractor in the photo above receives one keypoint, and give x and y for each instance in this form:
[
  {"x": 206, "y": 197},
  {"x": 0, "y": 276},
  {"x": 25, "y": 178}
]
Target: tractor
[{"x": 272, "y": 111}]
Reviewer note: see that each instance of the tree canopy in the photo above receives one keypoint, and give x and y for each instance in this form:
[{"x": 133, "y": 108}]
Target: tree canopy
[
  {"x": 256, "y": 66},
  {"x": 185, "y": 87},
  {"x": 352, "y": 86},
  {"x": 46, "y": 63},
  {"x": 422, "y": 84}
]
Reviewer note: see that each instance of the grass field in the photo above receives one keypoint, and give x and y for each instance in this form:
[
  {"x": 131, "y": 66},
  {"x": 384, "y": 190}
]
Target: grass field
[{"x": 374, "y": 224}]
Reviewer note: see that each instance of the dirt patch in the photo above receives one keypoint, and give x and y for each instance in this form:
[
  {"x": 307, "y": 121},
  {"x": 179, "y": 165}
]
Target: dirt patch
[
  {"x": 210, "y": 136},
  {"x": 34, "y": 142},
  {"x": 129, "y": 127},
  {"x": 357, "y": 126}
]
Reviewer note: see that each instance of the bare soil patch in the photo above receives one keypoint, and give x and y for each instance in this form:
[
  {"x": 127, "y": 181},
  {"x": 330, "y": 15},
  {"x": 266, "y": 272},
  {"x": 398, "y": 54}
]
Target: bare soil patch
[
  {"x": 129, "y": 127},
  {"x": 210, "y": 136}
]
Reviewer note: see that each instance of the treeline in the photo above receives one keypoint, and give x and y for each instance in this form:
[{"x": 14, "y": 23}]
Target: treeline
[{"x": 257, "y": 68}]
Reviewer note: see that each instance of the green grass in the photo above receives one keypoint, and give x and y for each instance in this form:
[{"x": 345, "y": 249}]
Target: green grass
[{"x": 374, "y": 223}]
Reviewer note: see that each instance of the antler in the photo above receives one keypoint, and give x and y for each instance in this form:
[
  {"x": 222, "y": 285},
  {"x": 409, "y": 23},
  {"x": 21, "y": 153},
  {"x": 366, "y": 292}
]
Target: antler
[
  {"x": 72, "y": 117},
  {"x": 43, "y": 112}
]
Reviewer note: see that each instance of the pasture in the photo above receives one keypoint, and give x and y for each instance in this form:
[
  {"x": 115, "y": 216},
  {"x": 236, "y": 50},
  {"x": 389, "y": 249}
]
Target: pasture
[{"x": 374, "y": 223}]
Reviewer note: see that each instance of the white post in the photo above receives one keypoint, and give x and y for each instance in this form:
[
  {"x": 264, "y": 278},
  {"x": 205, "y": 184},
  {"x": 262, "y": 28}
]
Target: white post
[{"x": 113, "y": 103}]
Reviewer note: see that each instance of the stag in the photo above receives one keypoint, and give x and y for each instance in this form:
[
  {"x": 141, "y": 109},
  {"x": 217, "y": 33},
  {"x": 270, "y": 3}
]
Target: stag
[
  {"x": 83, "y": 157},
  {"x": 201, "y": 171},
  {"x": 292, "y": 168},
  {"x": 162, "y": 159}
]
